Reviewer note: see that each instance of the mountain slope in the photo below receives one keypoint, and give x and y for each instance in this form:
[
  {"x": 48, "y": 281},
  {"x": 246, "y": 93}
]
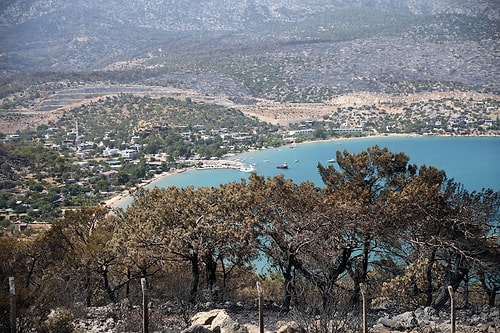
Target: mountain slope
[
  {"x": 287, "y": 50},
  {"x": 77, "y": 34}
]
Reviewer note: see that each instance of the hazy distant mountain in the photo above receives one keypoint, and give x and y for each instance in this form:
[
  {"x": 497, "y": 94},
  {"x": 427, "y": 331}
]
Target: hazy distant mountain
[
  {"x": 45, "y": 32},
  {"x": 76, "y": 35},
  {"x": 215, "y": 14}
]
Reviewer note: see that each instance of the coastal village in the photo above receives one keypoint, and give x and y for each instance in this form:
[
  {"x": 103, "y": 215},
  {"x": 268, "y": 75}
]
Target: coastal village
[{"x": 355, "y": 115}]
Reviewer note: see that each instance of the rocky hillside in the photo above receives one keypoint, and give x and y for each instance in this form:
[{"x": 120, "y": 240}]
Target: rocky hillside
[
  {"x": 90, "y": 34},
  {"x": 283, "y": 50}
]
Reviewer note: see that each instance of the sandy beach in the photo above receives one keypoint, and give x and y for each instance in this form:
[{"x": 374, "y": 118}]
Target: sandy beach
[{"x": 117, "y": 200}]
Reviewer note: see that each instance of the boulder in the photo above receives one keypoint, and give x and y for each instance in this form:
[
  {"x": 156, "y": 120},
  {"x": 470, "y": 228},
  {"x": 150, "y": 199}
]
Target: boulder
[
  {"x": 223, "y": 323},
  {"x": 205, "y": 318},
  {"x": 291, "y": 327},
  {"x": 405, "y": 320}
]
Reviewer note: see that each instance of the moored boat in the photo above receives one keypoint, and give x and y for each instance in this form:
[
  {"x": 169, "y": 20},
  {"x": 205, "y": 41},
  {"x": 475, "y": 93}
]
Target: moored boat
[
  {"x": 247, "y": 168},
  {"x": 283, "y": 165}
]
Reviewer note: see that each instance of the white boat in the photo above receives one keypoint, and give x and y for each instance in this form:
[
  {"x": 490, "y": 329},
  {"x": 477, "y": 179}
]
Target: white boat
[
  {"x": 331, "y": 160},
  {"x": 283, "y": 165},
  {"x": 247, "y": 168}
]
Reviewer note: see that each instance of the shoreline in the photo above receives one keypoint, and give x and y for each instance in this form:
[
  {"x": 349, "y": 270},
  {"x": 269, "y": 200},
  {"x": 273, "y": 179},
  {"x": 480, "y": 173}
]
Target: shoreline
[{"x": 117, "y": 200}]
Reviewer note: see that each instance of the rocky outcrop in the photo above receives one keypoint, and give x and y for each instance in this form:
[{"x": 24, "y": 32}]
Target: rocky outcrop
[
  {"x": 403, "y": 321},
  {"x": 218, "y": 320},
  {"x": 241, "y": 319},
  {"x": 426, "y": 319}
]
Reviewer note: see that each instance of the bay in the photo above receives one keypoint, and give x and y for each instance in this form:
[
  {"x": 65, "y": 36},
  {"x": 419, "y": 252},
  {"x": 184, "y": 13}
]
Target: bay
[{"x": 471, "y": 161}]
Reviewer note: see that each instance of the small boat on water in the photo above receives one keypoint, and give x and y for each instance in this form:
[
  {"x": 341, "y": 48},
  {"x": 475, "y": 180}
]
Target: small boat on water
[
  {"x": 331, "y": 160},
  {"x": 247, "y": 168},
  {"x": 283, "y": 165}
]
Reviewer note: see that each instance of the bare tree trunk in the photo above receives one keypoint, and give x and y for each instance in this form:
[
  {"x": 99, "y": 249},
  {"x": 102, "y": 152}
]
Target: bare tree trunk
[
  {"x": 30, "y": 271},
  {"x": 491, "y": 292},
  {"x": 360, "y": 272},
  {"x": 109, "y": 290},
  {"x": 195, "y": 270},
  {"x": 289, "y": 288},
  {"x": 211, "y": 273},
  {"x": 428, "y": 277},
  {"x": 454, "y": 284},
  {"x": 127, "y": 289},
  {"x": 466, "y": 291}
]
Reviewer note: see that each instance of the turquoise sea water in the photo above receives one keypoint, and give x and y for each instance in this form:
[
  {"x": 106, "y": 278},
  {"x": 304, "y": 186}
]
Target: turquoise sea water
[{"x": 471, "y": 161}]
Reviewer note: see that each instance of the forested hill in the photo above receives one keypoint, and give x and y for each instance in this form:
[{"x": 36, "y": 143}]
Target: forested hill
[{"x": 90, "y": 34}]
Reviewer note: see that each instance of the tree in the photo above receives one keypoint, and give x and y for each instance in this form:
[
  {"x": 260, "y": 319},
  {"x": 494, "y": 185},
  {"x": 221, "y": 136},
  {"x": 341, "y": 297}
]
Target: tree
[
  {"x": 444, "y": 228},
  {"x": 358, "y": 191},
  {"x": 205, "y": 226},
  {"x": 140, "y": 238},
  {"x": 227, "y": 228},
  {"x": 290, "y": 224}
]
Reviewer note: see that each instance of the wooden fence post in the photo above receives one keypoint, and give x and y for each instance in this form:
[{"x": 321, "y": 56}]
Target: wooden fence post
[
  {"x": 362, "y": 287},
  {"x": 12, "y": 293},
  {"x": 145, "y": 314},
  {"x": 261, "y": 307},
  {"x": 452, "y": 305}
]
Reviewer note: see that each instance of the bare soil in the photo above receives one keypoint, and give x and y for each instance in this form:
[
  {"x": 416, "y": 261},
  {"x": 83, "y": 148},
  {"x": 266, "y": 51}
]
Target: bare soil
[
  {"x": 284, "y": 114},
  {"x": 265, "y": 110}
]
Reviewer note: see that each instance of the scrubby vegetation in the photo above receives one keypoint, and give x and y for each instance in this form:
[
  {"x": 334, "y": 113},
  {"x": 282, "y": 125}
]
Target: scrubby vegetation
[{"x": 405, "y": 231}]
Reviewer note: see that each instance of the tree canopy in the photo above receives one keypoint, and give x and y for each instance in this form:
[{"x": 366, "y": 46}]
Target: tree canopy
[{"x": 406, "y": 231}]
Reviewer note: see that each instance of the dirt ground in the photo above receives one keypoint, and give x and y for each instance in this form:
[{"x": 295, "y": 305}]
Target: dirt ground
[
  {"x": 265, "y": 110},
  {"x": 284, "y": 114}
]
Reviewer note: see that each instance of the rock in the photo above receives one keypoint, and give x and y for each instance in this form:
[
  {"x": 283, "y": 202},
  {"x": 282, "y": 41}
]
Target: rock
[
  {"x": 379, "y": 328},
  {"x": 386, "y": 322},
  {"x": 405, "y": 320},
  {"x": 223, "y": 323},
  {"x": 110, "y": 319},
  {"x": 205, "y": 318},
  {"x": 430, "y": 313},
  {"x": 291, "y": 327},
  {"x": 253, "y": 328},
  {"x": 196, "y": 329}
]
